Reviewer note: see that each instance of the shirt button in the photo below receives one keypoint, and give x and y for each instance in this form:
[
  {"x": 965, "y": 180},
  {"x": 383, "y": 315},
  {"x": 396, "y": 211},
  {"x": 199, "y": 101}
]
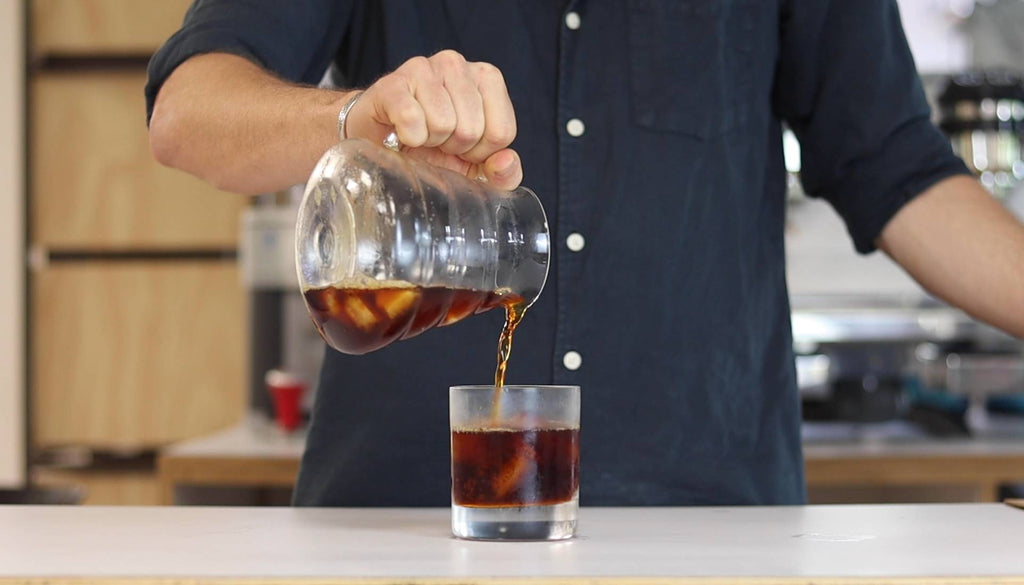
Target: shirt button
[
  {"x": 572, "y": 360},
  {"x": 575, "y": 127},
  {"x": 575, "y": 242},
  {"x": 572, "y": 20}
]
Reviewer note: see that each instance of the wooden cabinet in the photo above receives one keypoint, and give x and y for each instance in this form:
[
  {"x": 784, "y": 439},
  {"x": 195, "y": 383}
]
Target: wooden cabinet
[
  {"x": 132, "y": 355},
  {"x": 95, "y": 183},
  {"x": 97, "y": 27},
  {"x": 137, "y": 315}
]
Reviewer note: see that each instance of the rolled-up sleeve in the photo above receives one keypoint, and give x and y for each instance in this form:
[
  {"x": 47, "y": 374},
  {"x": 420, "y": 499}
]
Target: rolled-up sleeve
[
  {"x": 848, "y": 88},
  {"x": 295, "y": 39}
]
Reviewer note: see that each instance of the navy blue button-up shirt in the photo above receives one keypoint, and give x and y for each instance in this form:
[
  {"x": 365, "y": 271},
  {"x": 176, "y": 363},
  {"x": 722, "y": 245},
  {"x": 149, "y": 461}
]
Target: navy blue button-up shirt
[{"x": 673, "y": 175}]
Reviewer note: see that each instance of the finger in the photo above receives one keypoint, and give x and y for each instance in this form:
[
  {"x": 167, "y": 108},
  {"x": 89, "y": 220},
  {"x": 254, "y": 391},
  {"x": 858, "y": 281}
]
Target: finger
[
  {"x": 428, "y": 88},
  {"x": 503, "y": 169},
  {"x": 499, "y": 116},
  {"x": 466, "y": 101},
  {"x": 388, "y": 105},
  {"x": 405, "y": 114},
  {"x": 435, "y": 157}
]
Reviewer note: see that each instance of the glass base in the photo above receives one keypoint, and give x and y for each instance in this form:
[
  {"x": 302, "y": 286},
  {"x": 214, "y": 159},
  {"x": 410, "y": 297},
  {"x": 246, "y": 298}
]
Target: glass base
[{"x": 555, "y": 522}]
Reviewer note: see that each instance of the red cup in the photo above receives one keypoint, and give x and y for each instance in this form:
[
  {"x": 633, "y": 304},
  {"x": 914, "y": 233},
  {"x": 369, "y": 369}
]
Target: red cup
[{"x": 286, "y": 392}]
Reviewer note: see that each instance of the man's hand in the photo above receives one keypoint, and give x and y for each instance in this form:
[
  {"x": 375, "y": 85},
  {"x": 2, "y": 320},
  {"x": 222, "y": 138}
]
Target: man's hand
[
  {"x": 447, "y": 111},
  {"x": 965, "y": 248},
  {"x": 233, "y": 124}
]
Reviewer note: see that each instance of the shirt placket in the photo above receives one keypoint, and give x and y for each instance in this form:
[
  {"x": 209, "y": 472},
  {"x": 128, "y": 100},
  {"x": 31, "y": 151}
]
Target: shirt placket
[{"x": 570, "y": 241}]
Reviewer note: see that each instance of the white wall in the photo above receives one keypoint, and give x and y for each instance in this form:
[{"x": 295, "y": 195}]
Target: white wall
[
  {"x": 12, "y": 166},
  {"x": 939, "y": 46}
]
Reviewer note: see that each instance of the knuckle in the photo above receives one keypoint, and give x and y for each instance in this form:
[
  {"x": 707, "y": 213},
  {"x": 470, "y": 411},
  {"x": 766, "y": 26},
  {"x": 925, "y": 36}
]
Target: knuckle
[
  {"x": 465, "y": 135},
  {"x": 407, "y": 115},
  {"x": 501, "y": 135},
  {"x": 449, "y": 58},
  {"x": 445, "y": 125},
  {"x": 419, "y": 61},
  {"x": 415, "y": 66},
  {"x": 488, "y": 72}
]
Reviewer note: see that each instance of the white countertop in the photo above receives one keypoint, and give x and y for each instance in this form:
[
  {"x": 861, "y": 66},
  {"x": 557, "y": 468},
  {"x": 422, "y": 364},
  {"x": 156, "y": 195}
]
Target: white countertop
[{"x": 787, "y": 543}]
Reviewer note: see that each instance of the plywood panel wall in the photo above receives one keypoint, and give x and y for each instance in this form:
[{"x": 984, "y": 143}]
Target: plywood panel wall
[
  {"x": 98, "y": 27},
  {"x": 95, "y": 183},
  {"x": 135, "y": 355}
]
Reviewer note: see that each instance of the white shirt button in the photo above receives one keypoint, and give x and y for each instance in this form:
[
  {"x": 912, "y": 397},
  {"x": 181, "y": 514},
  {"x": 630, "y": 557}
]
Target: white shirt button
[
  {"x": 572, "y": 360},
  {"x": 575, "y": 127},
  {"x": 575, "y": 242},
  {"x": 572, "y": 20}
]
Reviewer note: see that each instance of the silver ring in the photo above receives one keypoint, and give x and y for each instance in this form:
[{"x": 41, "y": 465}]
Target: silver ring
[
  {"x": 343, "y": 116},
  {"x": 391, "y": 142}
]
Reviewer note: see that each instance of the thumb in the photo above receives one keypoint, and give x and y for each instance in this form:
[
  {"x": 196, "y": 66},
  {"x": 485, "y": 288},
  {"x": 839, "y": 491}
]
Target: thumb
[{"x": 503, "y": 169}]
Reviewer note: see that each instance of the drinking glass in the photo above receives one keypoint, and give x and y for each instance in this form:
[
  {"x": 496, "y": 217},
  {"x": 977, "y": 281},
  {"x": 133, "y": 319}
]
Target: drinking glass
[{"x": 515, "y": 462}]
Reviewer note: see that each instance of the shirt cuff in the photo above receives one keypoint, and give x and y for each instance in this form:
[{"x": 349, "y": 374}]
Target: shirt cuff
[{"x": 911, "y": 160}]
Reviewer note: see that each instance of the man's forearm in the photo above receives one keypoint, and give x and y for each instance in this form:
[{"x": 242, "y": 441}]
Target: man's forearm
[
  {"x": 229, "y": 122},
  {"x": 965, "y": 248}
]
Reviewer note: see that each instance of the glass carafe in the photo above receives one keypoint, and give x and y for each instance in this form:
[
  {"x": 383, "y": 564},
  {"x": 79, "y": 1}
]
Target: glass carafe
[{"x": 388, "y": 247}]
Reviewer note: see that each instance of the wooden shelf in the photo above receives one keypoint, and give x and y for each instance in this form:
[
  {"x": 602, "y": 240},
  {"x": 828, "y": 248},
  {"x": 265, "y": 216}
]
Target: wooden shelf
[
  {"x": 100, "y": 27},
  {"x": 983, "y": 465}
]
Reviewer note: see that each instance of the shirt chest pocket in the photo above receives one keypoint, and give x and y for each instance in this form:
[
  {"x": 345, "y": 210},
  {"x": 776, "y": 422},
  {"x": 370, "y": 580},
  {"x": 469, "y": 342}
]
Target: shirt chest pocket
[{"x": 690, "y": 65}]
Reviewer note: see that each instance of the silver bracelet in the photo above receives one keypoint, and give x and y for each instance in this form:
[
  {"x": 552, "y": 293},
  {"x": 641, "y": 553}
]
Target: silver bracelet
[{"x": 343, "y": 116}]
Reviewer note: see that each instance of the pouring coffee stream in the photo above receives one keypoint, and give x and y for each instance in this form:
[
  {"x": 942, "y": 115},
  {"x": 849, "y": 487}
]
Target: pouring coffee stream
[
  {"x": 514, "y": 312},
  {"x": 388, "y": 247}
]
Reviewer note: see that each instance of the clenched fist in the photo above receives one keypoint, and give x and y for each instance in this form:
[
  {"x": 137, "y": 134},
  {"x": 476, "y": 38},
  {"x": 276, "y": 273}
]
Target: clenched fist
[{"x": 446, "y": 111}]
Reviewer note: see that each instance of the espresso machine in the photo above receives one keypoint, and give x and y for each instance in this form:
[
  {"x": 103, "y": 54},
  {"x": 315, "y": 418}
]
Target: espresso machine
[
  {"x": 282, "y": 339},
  {"x": 982, "y": 112},
  {"x": 874, "y": 350}
]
